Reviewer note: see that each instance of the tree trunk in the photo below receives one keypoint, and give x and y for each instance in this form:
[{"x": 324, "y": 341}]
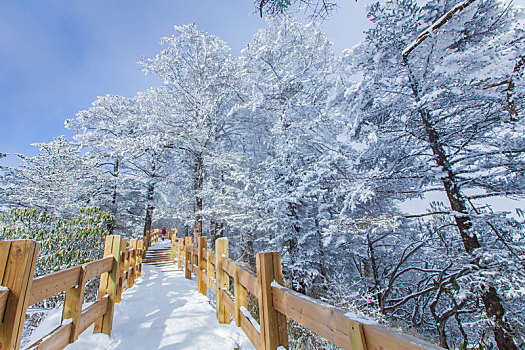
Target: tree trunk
[
  {"x": 491, "y": 300},
  {"x": 248, "y": 255},
  {"x": 213, "y": 234},
  {"x": 114, "y": 209},
  {"x": 115, "y": 189},
  {"x": 375, "y": 274},
  {"x": 502, "y": 330},
  {"x": 198, "y": 181},
  {"x": 197, "y": 227},
  {"x": 149, "y": 208}
]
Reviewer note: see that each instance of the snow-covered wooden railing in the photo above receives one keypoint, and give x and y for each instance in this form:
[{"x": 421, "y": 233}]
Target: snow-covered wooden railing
[
  {"x": 152, "y": 236},
  {"x": 18, "y": 290},
  {"x": 276, "y": 302}
]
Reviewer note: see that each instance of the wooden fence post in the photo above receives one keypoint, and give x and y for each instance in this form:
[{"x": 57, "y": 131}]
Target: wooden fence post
[
  {"x": 140, "y": 246},
  {"x": 73, "y": 305},
  {"x": 203, "y": 245},
  {"x": 132, "y": 260},
  {"x": 109, "y": 285},
  {"x": 223, "y": 280},
  {"x": 173, "y": 247},
  {"x": 17, "y": 266},
  {"x": 135, "y": 260},
  {"x": 240, "y": 296},
  {"x": 174, "y": 241},
  {"x": 121, "y": 270},
  {"x": 180, "y": 252},
  {"x": 194, "y": 256},
  {"x": 209, "y": 269},
  {"x": 146, "y": 240},
  {"x": 188, "y": 260},
  {"x": 274, "y": 331}
]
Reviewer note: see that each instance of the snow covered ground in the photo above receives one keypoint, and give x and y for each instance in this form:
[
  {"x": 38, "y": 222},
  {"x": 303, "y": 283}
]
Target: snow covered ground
[{"x": 163, "y": 310}]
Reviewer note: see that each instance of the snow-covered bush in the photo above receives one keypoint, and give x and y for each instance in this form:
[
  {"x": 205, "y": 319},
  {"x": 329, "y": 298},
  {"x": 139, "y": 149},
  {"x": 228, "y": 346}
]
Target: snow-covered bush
[{"x": 63, "y": 242}]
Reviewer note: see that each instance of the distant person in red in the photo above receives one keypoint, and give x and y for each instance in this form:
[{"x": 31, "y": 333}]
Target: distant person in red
[{"x": 163, "y": 233}]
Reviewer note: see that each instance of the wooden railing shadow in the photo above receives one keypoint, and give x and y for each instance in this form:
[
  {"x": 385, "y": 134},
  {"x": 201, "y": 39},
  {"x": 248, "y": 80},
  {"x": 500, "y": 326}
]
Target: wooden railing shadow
[
  {"x": 19, "y": 290},
  {"x": 276, "y": 302}
]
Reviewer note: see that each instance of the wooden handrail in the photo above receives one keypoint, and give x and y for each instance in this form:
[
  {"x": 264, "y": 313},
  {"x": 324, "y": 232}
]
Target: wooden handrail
[
  {"x": 342, "y": 328},
  {"x": 248, "y": 280},
  {"x": 48, "y": 285},
  {"x": 17, "y": 263},
  {"x": 228, "y": 266}
]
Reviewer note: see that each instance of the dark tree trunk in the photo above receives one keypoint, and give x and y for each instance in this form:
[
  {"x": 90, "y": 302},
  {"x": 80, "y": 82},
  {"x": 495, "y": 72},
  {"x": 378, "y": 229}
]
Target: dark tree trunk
[
  {"x": 198, "y": 182},
  {"x": 213, "y": 234},
  {"x": 502, "y": 331},
  {"x": 375, "y": 274},
  {"x": 114, "y": 209},
  {"x": 452, "y": 189},
  {"x": 491, "y": 300},
  {"x": 216, "y": 232},
  {"x": 149, "y": 208},
  {"x": 248, "y": 255},
  {"x": 115, "y": 189}
]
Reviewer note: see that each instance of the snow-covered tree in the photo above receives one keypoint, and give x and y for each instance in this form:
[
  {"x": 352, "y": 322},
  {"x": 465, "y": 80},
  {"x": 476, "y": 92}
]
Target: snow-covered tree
[
  {"x": 199, "y": 90},
  {"x": 438, "y": 127},
  {"x": 58, "y": 181},
  {"x": 290, "y": 67}
]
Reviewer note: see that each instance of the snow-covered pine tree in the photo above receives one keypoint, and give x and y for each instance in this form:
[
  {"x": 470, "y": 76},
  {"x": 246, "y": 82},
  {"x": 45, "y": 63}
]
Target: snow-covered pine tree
[
  {"x": 438, "y": 128},
  {"x": 290, "y": 67}
]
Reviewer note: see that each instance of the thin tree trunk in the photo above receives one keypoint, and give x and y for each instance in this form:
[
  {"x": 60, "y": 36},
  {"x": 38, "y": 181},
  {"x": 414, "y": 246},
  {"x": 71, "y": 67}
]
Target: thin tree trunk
[
  {"x": 149, "y": 208},
  {"x": 213, "y": 234},
  {"x": 198, "y": 182},
  {"x": 115, "y": 188},
  {"x": 114, "y": 209},
  {"x": 248, "y": 255}
]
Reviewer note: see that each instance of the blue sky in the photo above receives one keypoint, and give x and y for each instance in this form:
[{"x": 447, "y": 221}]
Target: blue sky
[{"x": 57, "y": 56}]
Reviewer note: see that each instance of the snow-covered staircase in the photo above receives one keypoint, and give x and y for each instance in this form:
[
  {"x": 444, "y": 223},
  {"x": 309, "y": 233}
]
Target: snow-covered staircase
[{"x": 158, "y": 255}]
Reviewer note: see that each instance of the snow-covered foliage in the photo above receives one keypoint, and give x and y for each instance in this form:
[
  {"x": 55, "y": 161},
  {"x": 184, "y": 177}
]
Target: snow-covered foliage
[
  {"x": 63, "y": 242},
  {"x": 437, "y": 124},
  {"x": 57, "y": 181},
  {"x": 293, "y": 148}
]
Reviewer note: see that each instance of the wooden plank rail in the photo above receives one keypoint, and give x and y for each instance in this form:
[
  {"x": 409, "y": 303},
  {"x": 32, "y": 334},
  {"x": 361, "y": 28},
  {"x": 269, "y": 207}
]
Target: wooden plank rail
[
  {"x": 228, "y": 266},
  {"x": 98, "y": 267},
  {"x": 92, "y": 313},
  {"x": 248, "y": 280},
  {"x": 57, "y": 339},
  {"x": 277, "y": 302},
  {"x": 228, "y": 300},
  {"x": 54, "y": 283},
  {"x": 17, "y": 264},
  {"x": 252, "y": 330}
]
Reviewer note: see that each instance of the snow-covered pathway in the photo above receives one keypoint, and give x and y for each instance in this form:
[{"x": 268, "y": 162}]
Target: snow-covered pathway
[{"x": 163, "y": 310}]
